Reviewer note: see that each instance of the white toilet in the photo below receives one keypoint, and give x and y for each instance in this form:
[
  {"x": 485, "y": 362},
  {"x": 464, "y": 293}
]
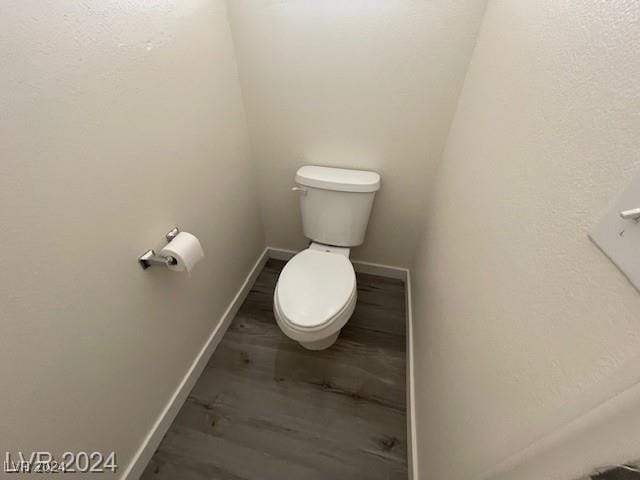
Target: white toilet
[{"x": 316, "y": 292}]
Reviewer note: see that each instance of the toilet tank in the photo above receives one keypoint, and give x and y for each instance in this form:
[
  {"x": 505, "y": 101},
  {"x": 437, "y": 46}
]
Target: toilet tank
[{"x": 335, "y": 203}]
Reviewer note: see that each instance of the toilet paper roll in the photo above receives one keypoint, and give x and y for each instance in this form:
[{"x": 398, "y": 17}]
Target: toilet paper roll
[{"x": 186, "y": 249}]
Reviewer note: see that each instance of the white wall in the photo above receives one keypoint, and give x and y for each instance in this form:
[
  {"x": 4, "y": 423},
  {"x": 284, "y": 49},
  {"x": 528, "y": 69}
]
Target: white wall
[
  {"x": 521, "y": 324},
  {"x": 367, "y": 84},
  {"x": 117, "y": 121}
]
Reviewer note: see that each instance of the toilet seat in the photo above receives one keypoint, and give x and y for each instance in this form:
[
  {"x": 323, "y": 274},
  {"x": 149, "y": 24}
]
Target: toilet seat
[
  {"x": 314, "y": 287},
  {"x": 292, "y": 323},
  {"x": 315, "y": 295}
]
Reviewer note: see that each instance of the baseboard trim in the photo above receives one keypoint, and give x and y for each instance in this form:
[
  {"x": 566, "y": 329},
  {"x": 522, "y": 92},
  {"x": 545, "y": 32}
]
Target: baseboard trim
[
  {"x": 280, "y": 253},
  {"x": 142, "y": 457},
  {"x": 387, "y": 271},
  {"x": 381, "y": 270},
  {"x": 412, "y": 444}
]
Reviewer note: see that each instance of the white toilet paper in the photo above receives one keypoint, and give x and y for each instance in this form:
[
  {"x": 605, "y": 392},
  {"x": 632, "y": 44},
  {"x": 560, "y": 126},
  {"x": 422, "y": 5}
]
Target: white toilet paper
[{"x": 186, "y": 249}]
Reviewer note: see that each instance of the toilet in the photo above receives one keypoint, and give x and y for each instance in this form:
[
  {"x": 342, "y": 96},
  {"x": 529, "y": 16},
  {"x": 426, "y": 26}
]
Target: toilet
[{"x": 316, "y": 292}]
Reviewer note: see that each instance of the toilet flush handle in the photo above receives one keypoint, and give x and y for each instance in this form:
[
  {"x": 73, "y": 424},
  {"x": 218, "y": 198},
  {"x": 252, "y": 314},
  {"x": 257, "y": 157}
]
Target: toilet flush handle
[
  {"x": 300, "y": 190},
  {"x": 633, "y": 214}
]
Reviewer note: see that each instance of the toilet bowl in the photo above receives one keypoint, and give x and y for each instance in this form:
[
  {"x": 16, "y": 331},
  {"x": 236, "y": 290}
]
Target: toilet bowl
[
  {"x": 316, "y": 292},
  {"x": 315, "y": 295}
]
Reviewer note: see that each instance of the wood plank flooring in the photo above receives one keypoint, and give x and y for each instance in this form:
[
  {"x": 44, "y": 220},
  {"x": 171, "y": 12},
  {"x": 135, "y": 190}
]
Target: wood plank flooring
[
  {"x": 265, "y": 408},
  {"x": 618, "y": 473}
]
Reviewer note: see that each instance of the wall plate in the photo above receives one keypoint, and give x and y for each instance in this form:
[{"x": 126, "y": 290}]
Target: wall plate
[{"x": 619, "y": 239}]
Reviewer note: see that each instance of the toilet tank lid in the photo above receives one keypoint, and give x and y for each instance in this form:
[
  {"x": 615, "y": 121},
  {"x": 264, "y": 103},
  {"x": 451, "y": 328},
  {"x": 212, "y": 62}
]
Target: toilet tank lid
[{"x": 339, "y": 179}]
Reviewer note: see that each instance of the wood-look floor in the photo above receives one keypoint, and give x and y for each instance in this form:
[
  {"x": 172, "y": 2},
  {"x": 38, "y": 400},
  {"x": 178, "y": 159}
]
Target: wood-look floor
[
  {"x": 618, "y": 473},
  {"x": 265, "y": 408}
]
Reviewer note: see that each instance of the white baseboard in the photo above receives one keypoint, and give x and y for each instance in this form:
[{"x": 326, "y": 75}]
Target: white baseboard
[
  {"x": 142, "y": 457},
  {"x": 412, "y": 445},
  {"x": 380, "y": 270},
  {"x": 280, "y": 253},
  {"x": 387, "y": 271}
]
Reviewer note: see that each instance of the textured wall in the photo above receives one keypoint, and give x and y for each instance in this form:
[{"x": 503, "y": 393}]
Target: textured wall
[
  {"x": 118, "y": 120},
  {"x": 363, "y": 84},
  {"x": 521, "y": 324}
]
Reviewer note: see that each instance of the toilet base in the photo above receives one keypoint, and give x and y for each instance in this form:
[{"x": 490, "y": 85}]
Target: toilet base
[{"x": 321, "y": 344}]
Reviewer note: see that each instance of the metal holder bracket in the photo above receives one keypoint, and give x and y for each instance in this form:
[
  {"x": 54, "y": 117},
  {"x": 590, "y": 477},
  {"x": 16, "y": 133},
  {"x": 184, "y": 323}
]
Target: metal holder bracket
[
  {"x": 149, "y": 258},
  {"x": 173, "y": 233}
]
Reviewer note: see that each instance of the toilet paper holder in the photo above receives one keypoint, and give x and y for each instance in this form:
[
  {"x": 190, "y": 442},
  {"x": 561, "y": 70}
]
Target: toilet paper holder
[{"x": 149, "y": 258}]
